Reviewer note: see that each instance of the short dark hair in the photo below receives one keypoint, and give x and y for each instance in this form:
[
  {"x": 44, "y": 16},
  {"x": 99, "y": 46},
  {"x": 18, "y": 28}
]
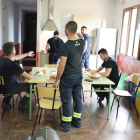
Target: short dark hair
[
  {"x": 84, "y": 27},
  {"x": 103, "y": 51},
  {"x": 56, "y": 33},
  {"x": 7, "y": 48},
  {"x": 72, "y": 26}
]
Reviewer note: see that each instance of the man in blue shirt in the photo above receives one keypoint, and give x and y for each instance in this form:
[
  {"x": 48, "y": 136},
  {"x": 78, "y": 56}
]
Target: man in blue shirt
[
  {"x": 86, "y": 54},
  {"x": 54, "y": 43},
  {"x": 70, "y": 75}
]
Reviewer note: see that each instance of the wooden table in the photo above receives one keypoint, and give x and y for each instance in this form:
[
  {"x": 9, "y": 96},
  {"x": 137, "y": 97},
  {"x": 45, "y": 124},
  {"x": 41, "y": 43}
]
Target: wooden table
[{"x": 42, "y": 79}]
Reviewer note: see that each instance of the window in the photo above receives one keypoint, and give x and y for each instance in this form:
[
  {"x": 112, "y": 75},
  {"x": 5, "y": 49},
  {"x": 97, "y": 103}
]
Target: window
[{"x": 130, "y": 37}]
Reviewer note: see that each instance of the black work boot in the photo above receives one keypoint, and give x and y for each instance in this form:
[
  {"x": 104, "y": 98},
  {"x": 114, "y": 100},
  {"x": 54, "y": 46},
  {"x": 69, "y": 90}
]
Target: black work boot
[{"x": 23, "y": 105}]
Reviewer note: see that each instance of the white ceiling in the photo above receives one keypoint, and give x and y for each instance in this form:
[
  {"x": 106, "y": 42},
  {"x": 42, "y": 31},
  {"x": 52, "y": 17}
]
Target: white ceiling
[{"x": 27, "y": 5}]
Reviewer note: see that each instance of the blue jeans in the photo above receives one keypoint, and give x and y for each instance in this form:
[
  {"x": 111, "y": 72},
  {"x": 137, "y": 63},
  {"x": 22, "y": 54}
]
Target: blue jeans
[{"x": 85, "y": 60}]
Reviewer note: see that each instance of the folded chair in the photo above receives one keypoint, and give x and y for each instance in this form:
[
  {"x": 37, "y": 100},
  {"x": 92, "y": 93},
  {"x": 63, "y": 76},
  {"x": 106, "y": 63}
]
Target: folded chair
[
  {"x": 6, "y": 95},
  {"x": 44, "y": 103},
  {"x": 118, "y": 92}
]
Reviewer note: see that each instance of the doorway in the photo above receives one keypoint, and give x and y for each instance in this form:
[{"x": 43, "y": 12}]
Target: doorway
[{"x": 29, "y": 28}]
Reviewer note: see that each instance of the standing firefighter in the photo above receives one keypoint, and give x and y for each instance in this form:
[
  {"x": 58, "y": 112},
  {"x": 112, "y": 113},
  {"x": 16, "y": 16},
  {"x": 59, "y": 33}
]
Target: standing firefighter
[{"x": 70, "y": 75}]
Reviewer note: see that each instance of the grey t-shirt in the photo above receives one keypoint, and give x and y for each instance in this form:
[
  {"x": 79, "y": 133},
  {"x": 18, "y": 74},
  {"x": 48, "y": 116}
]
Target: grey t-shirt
[{"x": 73, "y": 50}]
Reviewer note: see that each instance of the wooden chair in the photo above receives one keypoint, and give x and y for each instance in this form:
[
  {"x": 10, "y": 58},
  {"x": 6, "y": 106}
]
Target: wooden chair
[
  {"x": 121, "y": 92},
  {"x": 44, "y": 103},
  {"x": 6, "y": 95}
]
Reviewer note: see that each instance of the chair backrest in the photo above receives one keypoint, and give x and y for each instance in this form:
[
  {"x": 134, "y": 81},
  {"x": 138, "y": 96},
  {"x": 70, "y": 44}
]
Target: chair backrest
[
  {"x": 1, "y": 80},
  {"x": 46, "y": 91},
  {"x": 122, "y": 82},
  {"x": 136, "y": 79},
  {"x": 120, "y": 72}
]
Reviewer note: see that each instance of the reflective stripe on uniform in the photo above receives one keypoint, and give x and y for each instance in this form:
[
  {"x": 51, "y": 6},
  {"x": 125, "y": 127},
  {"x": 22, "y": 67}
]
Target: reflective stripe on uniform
[
  {"x": 27, "y": 95},
  {"x": 66, "y": 119},
  {"x": 77, "y": 115}
]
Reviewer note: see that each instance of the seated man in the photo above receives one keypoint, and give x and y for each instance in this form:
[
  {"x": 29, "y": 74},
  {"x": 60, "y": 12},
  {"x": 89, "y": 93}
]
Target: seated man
[
  {"x": 9, "y": 70},
  {"x": 111, "y": 73}
]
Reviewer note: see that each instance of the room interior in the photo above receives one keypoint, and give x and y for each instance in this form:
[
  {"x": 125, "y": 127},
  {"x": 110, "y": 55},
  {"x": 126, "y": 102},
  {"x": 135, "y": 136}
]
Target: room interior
[{"x": 109, "y": 24}]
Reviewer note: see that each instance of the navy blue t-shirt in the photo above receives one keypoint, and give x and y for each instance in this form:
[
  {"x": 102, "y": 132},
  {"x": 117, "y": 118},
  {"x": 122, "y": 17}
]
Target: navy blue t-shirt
[
  {"x": 73, "y": 50},
  {"x": 9, "y": 70},
  {"x": 114, "y": 75},
  {"x": 87, "y": 38},
  {"x": 55, "y": 44}
]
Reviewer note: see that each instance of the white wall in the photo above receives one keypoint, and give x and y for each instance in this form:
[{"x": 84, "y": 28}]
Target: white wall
[
  {"x": 117, "y": 22},
  {"x": 8, "y": 21},
  {"x": 130, "y": 3},
  {"x": 11, "y": 19},
  {"x": 103, "y": 9}
]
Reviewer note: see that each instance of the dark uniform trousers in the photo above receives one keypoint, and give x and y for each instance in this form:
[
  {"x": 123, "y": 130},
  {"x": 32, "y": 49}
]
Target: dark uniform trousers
[
  {"x": 101, "y": 87},
  {"x": 21, "y": 87},
  {"x": 53, "y": 59},
  {"x": 69, "y": 88},
  {"x": 85, "y": 60}
]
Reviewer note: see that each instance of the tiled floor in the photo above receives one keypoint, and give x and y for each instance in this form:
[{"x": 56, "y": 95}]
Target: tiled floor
[{"x": 95, "y": 126}]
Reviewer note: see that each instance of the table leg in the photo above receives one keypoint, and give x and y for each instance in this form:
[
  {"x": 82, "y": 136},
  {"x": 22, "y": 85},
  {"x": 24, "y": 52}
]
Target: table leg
[
  {"x": 109, "y": 103},
  {"x": 30, "y": 106}
]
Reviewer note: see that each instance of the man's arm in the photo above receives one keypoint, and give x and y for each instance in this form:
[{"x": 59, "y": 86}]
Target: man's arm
[
  {"x": 79, "y": 35},
  {"x": 96, "y": 71},
  {"x": 60, "y": 70},
  {"x": 26, "y": 75},
  {"x": 20, "y": 56},
  {"x": 107, "y": 73},
  {"x": 47, "y": 46}
]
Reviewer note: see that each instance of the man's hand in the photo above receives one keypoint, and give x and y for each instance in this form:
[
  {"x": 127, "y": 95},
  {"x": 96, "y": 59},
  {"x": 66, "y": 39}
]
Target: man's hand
[
  {"x": 30, "y": 54},
  {"x": 30, "y": 73},
  {"x": 92, "y": 71},
  {"x": 55, "y": 84}
]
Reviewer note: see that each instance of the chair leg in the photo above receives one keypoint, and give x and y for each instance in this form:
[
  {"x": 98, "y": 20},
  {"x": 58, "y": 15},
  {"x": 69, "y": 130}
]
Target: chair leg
[
  {"x": 118, "y": 107},
  {"x": 60, "y": 113},
  {"x": 83, "y": 93},
  {"x": 136, "y": 109},
  {"x": 54, "y": 118},
  {"x": 13, "y": 101},
  {"x": 35, "y": 122},
  {"x": 22, "y": 109},
  {"x": 129, "y": 102},
  {"x": 40, "y": 115},
  {"x": 91, "y": 91},
  {"x": 35, "y": 98},
  {"x": 17, "y": 97},
  {"x": 113, "y": 102},
  {"x": 3, "y": 108}
]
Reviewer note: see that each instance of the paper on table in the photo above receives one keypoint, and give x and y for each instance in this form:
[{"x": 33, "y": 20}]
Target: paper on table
[
  {"x": 54, "y": 72},
  {"x": 41, "y": 73}
]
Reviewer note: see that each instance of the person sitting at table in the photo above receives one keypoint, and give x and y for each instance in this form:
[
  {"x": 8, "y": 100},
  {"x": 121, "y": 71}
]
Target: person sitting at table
[
  {"x": 9, "y": 70},
  {"x": 70, "y": 75},
  {"x": 111, "y": 73}
]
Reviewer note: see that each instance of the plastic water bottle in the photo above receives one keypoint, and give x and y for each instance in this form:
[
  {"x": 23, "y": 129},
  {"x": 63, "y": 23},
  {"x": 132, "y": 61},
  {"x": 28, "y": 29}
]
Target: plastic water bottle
[{"x": 58, "y": 61}]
